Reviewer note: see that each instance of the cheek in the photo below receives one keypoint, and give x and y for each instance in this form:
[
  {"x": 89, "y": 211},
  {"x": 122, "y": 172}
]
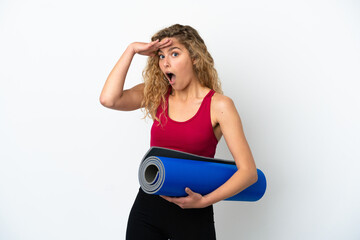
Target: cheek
[
  {"x": 161, "y": 67},
  {"x": 189, "y": 67},
  {"x": 186, "y": 65}
]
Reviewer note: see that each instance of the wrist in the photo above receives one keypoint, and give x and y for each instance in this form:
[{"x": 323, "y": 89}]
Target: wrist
[
  {"x": 131, "y": 48},
  {"x": 206, "y": 201}
]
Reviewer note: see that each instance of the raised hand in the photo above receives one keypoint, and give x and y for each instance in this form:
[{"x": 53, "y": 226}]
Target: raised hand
[{"x": 149, "y": 49}]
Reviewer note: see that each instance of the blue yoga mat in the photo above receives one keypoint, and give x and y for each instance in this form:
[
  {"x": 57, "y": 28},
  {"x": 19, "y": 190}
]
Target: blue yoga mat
[{"x": 168, "y": 172}]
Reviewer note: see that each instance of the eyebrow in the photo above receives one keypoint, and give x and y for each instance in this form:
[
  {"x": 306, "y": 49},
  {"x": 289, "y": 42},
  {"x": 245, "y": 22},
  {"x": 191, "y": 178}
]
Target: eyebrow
[{"x": 172, "y": 48}]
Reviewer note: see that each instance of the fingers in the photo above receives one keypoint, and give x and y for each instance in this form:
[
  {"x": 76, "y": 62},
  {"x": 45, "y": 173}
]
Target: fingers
[
  {"x": 176, "y": 200},
  {"x": 193, "y": 200},
  {"x": 188, "y": 191},
  {"x": 154, "y": 46},
  {"x": 154, "y": 42},
  {"x": 164, "y": 43},
  {"x": 151, "y": 48},
  {"x": 166, "y": 198}
]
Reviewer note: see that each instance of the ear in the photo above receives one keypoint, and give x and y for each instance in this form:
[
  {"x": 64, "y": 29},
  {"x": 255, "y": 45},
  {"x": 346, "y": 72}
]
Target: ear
[{"x": 194, "y": 61}]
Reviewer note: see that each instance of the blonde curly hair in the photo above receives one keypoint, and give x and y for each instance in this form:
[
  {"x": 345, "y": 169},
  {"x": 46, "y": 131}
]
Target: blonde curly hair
[{"x": 156, "y": 84}]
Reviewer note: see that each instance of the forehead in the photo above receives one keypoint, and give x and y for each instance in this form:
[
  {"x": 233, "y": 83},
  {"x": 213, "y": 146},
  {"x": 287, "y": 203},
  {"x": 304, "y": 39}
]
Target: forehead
[{"x": 175, "y": 44}]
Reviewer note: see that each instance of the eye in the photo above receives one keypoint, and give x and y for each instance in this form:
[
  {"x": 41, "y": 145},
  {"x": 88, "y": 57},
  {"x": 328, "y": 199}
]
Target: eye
[
  {"x": 161, "y": 56},
  {"x": 174, "y": 54}
]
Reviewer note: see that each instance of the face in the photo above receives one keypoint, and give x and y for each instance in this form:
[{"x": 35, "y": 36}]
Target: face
[{"x": 176, "y": 64}]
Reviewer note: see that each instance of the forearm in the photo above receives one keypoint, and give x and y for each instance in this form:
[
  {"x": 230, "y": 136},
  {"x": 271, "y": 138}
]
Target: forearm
[
  {"x": 114, "y": 84},
  {"x": 240, "y": 180}
]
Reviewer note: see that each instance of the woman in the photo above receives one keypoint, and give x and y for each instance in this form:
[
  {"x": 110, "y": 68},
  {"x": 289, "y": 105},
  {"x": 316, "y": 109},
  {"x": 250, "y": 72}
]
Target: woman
[{"x": 181, "y": 93}]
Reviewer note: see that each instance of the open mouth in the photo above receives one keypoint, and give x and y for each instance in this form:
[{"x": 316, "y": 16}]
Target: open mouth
[{"x": 171, "y": 77}]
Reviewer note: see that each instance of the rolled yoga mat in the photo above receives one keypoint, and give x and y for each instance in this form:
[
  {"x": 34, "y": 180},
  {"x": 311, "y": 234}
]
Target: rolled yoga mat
[{"x": 168, "y": 172}]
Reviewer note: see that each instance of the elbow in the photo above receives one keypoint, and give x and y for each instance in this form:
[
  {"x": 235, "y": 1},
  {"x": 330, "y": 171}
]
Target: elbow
[
  {"x": 106, "y": 102},
  {"x": 254, "y": 176},
  {"x": 251, "y": 176}
]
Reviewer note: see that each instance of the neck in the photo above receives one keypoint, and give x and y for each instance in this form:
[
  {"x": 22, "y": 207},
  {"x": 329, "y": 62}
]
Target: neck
[{"x": 193, "y": 90}]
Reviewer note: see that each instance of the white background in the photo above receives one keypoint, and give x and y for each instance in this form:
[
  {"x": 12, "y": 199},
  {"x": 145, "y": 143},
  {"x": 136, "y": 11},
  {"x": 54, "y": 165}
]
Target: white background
[{"x": 68, "y": 166}]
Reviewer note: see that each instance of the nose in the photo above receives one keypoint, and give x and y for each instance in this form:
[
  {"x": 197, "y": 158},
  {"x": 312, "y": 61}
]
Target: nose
[{"x": 166, "y": 63}]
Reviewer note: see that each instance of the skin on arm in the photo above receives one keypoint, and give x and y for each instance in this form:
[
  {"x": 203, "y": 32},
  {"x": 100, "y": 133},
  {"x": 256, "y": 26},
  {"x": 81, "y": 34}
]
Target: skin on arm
[
  {"x": 113, "y": 96},
  {"x": 226, "y": 115}
]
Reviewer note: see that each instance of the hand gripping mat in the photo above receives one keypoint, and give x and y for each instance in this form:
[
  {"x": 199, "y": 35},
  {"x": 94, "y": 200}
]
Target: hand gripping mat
[{"x": 168, "y": 172}]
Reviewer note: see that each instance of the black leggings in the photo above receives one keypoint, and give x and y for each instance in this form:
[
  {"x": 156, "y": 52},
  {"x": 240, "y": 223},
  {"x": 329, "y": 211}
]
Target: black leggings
[{"x": 154, "y": 218}]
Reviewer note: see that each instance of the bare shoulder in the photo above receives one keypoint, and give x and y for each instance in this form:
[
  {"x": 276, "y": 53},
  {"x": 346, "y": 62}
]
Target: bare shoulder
[
  {"x": 221, "y": 103},
  {"x": 222, "y": 108}
]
